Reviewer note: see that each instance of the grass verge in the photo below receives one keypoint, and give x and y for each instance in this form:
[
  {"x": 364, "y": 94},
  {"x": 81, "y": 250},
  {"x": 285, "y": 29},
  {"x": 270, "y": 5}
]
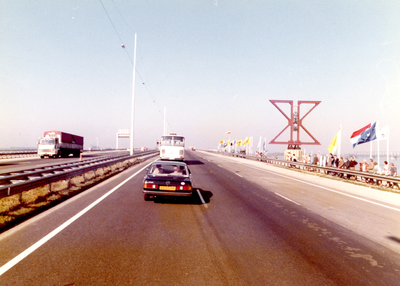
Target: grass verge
[{"x": 16, "y": 209}]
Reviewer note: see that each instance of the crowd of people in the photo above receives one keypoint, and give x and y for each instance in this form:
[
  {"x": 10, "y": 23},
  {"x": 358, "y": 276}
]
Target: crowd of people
[{"x": 333, "y": 161}]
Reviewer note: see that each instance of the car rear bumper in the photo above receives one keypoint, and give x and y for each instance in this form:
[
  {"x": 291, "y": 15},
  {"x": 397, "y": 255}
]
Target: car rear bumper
[{"x": 167, "y": 193}]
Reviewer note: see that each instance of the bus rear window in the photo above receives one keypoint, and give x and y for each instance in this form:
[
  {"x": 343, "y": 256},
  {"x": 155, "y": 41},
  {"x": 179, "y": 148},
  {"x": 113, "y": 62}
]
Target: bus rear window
[{"x": 172, "y": 141}]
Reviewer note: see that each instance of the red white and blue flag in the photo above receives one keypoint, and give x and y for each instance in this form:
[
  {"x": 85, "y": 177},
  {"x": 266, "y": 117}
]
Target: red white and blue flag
[{"x": 364, "y": 135}]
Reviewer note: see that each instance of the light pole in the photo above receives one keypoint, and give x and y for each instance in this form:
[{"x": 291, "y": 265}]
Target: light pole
[
  {"x": 133, "y": 97},
  {"x": 97, "y": 140}
]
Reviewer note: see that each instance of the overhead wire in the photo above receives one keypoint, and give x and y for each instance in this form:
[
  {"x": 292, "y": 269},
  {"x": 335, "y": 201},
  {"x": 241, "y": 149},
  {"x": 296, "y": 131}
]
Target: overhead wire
[
  {"x": 123, "y": 46},
  {"x": 115, "y": 29}
]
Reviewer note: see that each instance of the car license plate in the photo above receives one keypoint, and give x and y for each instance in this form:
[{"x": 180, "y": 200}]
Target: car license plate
[{"x": 167, "y": 188}]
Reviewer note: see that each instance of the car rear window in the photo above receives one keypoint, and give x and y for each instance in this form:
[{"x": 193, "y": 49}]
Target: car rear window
[{"x": 168, "y": 170}]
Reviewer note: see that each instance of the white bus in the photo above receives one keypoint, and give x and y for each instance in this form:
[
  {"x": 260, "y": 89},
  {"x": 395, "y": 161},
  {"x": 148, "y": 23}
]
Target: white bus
[{"x": 172, "y": 147}]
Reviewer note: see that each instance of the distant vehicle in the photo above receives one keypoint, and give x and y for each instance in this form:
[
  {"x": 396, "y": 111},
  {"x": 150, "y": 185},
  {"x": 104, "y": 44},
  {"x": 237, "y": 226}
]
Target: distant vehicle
[
  {"x": 59, "y": 144},
  {"x": 193, "y": 148},
  {"x": 172, "y": 147},
  {"x": 167, "y": 178}
]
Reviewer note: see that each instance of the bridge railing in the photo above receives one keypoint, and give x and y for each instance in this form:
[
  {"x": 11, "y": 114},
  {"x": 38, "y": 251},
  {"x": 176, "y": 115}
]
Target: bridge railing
[
  {"x": 358, "y": 175},
  {"x": 25, "y": 180},
  {"x": 7, "y": 154},
  {"x": 16, "y": 153}
]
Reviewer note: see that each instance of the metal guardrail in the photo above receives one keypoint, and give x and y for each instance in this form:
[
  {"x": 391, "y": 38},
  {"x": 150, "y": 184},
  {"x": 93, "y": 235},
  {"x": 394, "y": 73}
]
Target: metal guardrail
[
  {"x": 317, "y": 168},
  {"x": 18, "y": 182},
  {"x": 17, "y": 153},
  {"x": 7, "y": 154}
]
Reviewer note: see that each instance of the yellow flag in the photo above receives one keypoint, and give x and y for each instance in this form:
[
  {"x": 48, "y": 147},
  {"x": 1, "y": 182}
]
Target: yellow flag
[
  {"x": 221, "y": 142},
  {"x": 245, "y": 142},
  {"x": 227, "y": 142},
  {"x": 334, "y": 144},
  {"x": 239, "y": 143}
]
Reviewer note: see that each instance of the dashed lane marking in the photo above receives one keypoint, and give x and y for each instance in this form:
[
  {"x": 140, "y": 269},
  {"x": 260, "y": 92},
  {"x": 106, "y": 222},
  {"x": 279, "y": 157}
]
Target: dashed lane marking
[
  {"x": 201, "y": 198},
  {"x": 288, "y": 199}
]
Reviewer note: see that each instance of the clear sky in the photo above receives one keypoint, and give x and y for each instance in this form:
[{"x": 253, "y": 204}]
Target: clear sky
[{"x": 214, "y": 65}]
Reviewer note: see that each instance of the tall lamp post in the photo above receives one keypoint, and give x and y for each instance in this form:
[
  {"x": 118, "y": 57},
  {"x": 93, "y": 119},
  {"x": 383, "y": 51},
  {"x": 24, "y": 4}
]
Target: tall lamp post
[{"x": 133, "y": 97}]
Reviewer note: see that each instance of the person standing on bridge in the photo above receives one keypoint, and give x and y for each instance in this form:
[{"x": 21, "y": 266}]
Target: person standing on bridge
[
  {"x": 335, "y": 164},
  {"x": 371, "y": 166},
  {"x": 352, "y": 166},
  {"x": 377, "y": 170},
  {"x": 370, "y": 169},
  {"x": 315, "y": 161},
  {"x": 393, "y": 172},
  {"x": 341, "y": 163},
  {"x": 329, "y": 161},
  {"x": 340, "y": 166},
  {"x": 364, "y": 168},
  {"x": 386, "y": 172},
  {"x": 353, "y": 163},
  {"x": 346, "y": 165},
  {"x": 386, "y": 169},
  {"x": 335, "y": 161}
]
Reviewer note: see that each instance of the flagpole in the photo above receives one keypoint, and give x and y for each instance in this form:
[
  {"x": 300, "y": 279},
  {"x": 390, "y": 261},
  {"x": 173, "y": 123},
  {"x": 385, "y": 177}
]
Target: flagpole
[
  {"x": 250, "y": 149},
  {"x": 265, "y": 146},
  {"x": 370, "y": 149},
  {"x": 387, "y": 147},
  {"x": 377, "y": 128},
  {"x": 229, "y": 148},
  {"x": 340, "y": 141},
  {"x": 133, "y": 99}
]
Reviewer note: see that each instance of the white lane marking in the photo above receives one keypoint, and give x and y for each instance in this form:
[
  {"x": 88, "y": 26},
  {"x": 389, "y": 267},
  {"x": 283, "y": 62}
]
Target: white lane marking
[
  {"x": 334, "y": 191},
  {"x": 201, "y": 198},
  {"x": 288, "y": 199},
  {"x": 239, "y": 175},
  {"x": 220, "y": 166},
  {"x": 46, "y": 238}
]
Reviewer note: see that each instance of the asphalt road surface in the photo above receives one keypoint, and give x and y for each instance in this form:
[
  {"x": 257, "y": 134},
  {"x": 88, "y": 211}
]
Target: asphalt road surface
[{"x": 247, "y": 224}]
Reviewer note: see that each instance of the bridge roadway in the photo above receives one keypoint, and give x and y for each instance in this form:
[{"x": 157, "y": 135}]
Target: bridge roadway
[{"x": 260, "y": 225}]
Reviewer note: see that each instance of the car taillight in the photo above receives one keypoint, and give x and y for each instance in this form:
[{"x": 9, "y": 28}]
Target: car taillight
[
  {"x": 150, "y": 186},
  {"x": 184, "y": 188}
]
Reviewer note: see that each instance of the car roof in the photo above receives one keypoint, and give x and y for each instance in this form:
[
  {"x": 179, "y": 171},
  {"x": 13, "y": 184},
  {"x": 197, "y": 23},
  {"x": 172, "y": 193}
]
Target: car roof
[{"x": 169, "y": 163}]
